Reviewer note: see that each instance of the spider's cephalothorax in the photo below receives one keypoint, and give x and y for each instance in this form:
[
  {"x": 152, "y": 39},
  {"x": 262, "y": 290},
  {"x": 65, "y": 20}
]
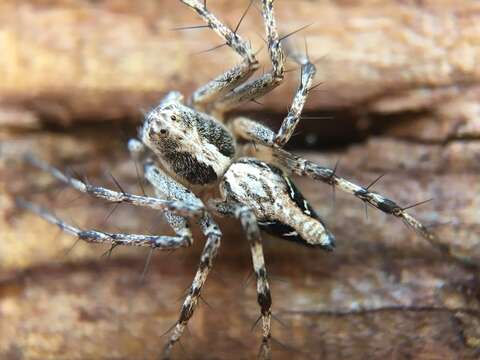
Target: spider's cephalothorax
[
  {"x": 192, "y": 146},
  {"x": 183, "y": 149}
]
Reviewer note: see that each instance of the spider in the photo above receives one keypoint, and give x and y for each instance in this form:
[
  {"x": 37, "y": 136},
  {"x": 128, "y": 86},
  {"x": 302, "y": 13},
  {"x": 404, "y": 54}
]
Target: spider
[{"x": 185, "y": 146}]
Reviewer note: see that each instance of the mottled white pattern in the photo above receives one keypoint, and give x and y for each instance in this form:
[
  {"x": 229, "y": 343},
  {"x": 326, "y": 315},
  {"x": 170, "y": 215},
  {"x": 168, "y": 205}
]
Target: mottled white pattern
[{"x": 269, "y": 195}]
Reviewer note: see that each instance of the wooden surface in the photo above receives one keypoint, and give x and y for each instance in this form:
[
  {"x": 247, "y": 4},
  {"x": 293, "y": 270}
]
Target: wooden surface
[
  {"x": 384, "y": 293},
  {"x": 66, "y": 61}
]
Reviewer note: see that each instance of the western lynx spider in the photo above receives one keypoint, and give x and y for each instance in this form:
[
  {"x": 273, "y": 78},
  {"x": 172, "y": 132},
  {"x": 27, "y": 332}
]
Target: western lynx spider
[{"x": 188, "y": 145}]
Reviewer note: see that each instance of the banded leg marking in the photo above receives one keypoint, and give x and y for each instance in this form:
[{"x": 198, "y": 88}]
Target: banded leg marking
[
  {"x": 258, "y": 87},
  {"x": 249, "y": 224},
  {"x": 219, "y": 86},
  {"x": 178, "y": 207},
  {"x": 183, "y": 238}
]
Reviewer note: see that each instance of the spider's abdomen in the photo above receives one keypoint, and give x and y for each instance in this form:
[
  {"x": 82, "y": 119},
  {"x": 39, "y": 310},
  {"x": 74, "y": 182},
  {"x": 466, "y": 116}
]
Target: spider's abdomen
[{"x": 279, "y": 206}]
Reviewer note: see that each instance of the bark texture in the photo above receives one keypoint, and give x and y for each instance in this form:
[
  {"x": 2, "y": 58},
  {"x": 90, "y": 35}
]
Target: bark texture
[
  {"x": 65, "y": 61},
  {"x": 401, "y": 83}
]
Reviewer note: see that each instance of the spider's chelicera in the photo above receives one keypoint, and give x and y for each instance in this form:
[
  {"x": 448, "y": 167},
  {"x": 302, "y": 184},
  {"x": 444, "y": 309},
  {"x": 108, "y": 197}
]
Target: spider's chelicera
[{"x": 185, "y": 146}]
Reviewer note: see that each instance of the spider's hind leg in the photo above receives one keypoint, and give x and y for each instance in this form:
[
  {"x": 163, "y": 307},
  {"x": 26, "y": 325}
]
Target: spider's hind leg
[
  {"x": 299, "y": 166},
  {"x": 250, "y": 226}
]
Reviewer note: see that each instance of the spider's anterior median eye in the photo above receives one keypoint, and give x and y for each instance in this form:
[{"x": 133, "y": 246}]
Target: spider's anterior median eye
[
  {"x": 163, "y": 131},
  {"x": 173, "y": 117}
]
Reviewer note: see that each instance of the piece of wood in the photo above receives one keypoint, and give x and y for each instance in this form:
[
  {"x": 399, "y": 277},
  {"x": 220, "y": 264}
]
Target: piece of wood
[
  {"x": 402, "y": 80},
  {"x": 70, "y": 61},
  {"x": 383, "y": 292}
]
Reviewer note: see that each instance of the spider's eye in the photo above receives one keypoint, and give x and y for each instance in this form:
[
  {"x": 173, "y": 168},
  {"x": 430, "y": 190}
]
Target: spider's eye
[
  {"x": 163, "y": 131},
  {"x": 173, "y": 117}
]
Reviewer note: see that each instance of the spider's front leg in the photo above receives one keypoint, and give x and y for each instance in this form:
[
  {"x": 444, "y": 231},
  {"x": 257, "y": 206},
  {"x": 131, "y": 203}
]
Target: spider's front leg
[
  {"x": 250, "y": 226},
  {"x": 222, "y": 84},
  {"x": 256, "y": 88},
  {"x": 251, "y": 130}
]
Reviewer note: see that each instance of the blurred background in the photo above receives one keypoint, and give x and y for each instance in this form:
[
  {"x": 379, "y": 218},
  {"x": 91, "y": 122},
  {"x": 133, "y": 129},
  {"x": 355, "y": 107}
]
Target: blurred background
[{"x": 399, "y": 95}]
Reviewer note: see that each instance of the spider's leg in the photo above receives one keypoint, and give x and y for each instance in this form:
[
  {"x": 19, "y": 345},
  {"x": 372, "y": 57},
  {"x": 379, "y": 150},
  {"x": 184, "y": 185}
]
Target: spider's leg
[
  {"x": 183, "y": 236},
  {"x": 258, "y": 87},
  {"x": 217, "y": 87},
  {"x": 292, "y": 119},
  {"x": 251, "y": 130},
  {"x": 166, "y": 187},
  {"x": 250, "y": 225},
  {"x": 303, "y": 167},
  {"x": 179, "y": 207},
  {"x": 213, "y": 234}
]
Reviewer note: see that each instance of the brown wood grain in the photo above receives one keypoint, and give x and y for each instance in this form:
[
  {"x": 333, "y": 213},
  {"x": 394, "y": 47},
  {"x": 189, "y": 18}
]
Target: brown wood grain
[{"x": 400, "y": 97}]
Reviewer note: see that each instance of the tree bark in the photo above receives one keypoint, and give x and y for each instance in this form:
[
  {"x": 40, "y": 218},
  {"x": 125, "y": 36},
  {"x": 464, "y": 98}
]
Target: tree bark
[{"x": 401, "y": 82}]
